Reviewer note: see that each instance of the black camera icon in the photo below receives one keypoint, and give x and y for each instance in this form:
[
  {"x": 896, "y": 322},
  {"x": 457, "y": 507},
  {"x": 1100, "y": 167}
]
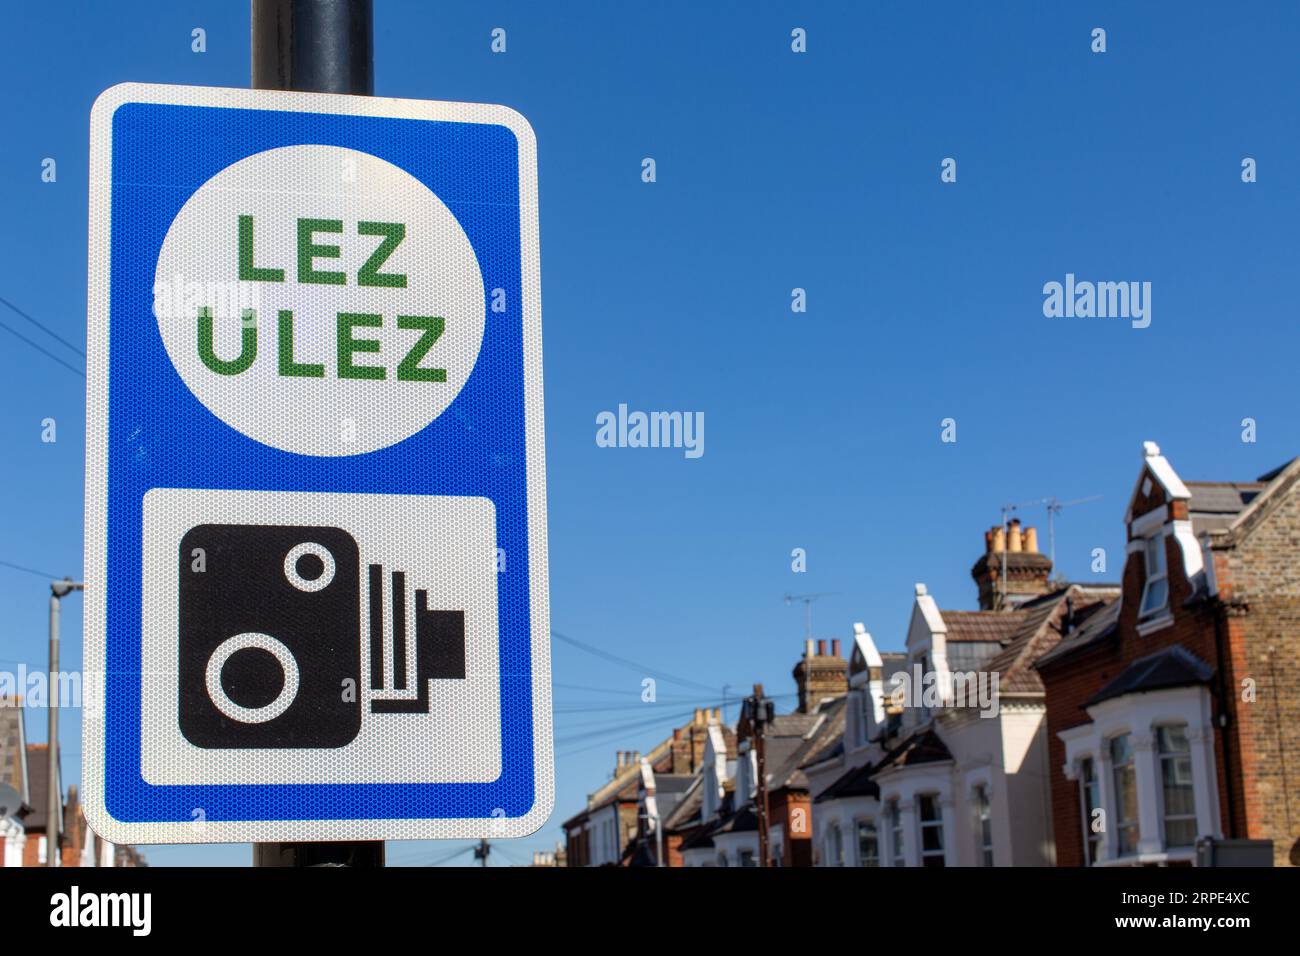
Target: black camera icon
[{"x": 270, "y": 652}]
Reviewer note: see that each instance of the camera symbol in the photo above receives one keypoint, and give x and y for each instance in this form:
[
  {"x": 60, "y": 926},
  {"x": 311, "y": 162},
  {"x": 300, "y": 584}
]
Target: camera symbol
[{"x": 270, "y": 651}]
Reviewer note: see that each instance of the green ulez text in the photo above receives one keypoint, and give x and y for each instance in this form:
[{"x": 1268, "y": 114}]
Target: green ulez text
[{"x": 347, "y": 324}]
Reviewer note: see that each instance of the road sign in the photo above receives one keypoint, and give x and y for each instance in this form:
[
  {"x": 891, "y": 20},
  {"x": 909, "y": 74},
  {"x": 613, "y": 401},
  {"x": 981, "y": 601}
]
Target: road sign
[{"x": 316, "y": 579}]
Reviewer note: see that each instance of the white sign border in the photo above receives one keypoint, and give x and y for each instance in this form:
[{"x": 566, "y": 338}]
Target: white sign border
[{"x": 96, "y": 539}]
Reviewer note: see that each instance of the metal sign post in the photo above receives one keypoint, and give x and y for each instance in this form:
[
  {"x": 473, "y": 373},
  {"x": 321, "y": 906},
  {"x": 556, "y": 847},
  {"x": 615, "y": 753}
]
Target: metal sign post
[{"x": 325, "y": 46}]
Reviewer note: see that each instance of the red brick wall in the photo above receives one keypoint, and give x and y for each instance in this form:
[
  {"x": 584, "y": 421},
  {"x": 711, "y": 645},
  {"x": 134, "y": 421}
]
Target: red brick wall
[{"x": 1069, "y": 683}]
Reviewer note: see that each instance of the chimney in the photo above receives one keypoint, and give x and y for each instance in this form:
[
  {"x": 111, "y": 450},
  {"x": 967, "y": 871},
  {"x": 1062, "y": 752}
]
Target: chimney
[
  {"x": 681, "y": 750},
  {"x": 835, "y": 647},
  {"x": 808, "y": 648},
  {"x": 1028, "y": 572},
  {"x": 819, "y": 677}
]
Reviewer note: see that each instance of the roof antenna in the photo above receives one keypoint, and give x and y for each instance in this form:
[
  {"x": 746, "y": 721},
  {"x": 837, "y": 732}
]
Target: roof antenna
[
  {"x": 807, "y": 604},
  {"x": 1054, "y": 507}
]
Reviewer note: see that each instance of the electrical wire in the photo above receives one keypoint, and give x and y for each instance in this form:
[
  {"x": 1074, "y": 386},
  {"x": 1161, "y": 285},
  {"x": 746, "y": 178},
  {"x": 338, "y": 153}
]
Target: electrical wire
[
  {"x": 625, "y": 662},
  {"x": 44, "y": 328}
]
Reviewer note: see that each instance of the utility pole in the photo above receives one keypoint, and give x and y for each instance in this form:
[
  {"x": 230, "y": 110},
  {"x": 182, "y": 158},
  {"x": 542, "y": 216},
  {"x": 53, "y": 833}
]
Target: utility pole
[
  {"x": 315, "y": 46},
  {"x": 54, "y": 807},
  {"x": 481, "y": 852},
  {"x": 759, "y": 712}
]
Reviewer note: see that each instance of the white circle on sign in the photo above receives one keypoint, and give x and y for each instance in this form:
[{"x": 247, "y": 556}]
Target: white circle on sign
[
  {"x": 309, "y": 584},
  {"x": 252, "y": 715},
  {"x": 280, "y": 288}
]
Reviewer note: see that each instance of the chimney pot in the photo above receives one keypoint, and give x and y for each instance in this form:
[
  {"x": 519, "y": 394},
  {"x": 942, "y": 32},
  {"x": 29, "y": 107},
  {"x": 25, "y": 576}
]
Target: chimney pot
[
  {"x": 988, "y": 540},
  {"x": 821, "y": 648},
  {"x": 808, "y": 648},
  {"x": 835, "y": 647},
  {"x": 999, "y": 540},
  {"x": 1016, "y": 542},
  {"x": 699, "y": 716},
  {"x": 1031, "y": 540}
]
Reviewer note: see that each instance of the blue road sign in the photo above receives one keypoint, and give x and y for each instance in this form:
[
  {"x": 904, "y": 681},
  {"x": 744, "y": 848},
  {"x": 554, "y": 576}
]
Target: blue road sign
[{"x": 316, "y": 578}]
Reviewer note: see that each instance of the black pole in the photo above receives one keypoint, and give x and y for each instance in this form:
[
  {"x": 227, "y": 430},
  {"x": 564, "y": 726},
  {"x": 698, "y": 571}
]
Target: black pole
[{"x": 315, "y": 46}]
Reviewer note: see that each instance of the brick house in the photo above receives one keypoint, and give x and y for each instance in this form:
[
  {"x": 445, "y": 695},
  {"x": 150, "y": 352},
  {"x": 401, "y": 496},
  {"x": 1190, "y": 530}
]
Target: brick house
[
  {"x": 1175, "y": 715},
  {"x": 15, "y": 792},
  {"x": 724, "y": 832},
  {"x": 944, "y": 755},
  {"x": 608, "y": 831},
  {"x": 24, "y": 770}
]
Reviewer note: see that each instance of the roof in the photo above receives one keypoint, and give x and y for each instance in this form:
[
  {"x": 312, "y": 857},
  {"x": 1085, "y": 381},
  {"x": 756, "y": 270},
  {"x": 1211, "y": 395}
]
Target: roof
[
  {"x": 1173, "y": 667},
  {"x": 1040, "y": 632},
  {"x": 787, "y": 756},
  {"x": 919, "y": 748},
  {"x": 1275, "y": 484},
  {"x": 744, "y": 820},
  {"x": 1099, "y": 625},
  {"x": 983, "y": 626},
  {"x": 1216, "y": 504},
  {"x": 687, "y": 811},
  {"x": 857, "y": 782}
]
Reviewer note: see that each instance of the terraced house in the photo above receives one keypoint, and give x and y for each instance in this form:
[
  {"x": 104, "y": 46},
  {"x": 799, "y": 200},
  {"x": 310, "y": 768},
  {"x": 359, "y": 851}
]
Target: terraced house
[
  {"x": 1174, "y": 716},
  {"x": 941, "y": 779}
]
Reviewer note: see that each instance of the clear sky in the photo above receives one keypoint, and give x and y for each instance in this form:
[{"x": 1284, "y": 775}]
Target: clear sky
[{"x": 775, "y": 170}]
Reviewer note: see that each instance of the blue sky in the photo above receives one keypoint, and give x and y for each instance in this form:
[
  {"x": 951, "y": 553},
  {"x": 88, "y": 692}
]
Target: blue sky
[{"x": 775, "y": 171}]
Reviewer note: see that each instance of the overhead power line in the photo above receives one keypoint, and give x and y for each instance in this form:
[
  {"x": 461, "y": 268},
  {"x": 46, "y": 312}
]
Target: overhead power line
[
  {"x": 625, "y": 662},
  {"x": 44, "y": 351},
  {"x": 43, "y": 574},
  {"x": 44, "y": 328}
]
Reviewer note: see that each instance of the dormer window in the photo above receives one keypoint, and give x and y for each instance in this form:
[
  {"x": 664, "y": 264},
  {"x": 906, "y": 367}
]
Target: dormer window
[{"x": 1155, "y": 591}]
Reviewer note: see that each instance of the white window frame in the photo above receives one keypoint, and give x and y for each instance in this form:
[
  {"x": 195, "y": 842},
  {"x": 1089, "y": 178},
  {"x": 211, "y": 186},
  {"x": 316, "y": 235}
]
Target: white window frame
[
  {"x": 834, "y": 844},
  {"x": 1117, "y": 822},
  {"x": 935, "y": 824},
  {"x": 982, "y": 805},
  {"x": 894, "y": 813},
  {"x": 1094, "y": 844},
  {"x": 1161, "y": 757},
  {"x": 858, "y": 824},
  {"x": 1154, "y": 544}
]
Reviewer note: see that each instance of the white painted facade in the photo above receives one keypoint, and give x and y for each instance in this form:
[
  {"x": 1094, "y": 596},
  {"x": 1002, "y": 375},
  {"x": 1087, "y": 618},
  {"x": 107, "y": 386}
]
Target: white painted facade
[{"x": 997, "y": 761}]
